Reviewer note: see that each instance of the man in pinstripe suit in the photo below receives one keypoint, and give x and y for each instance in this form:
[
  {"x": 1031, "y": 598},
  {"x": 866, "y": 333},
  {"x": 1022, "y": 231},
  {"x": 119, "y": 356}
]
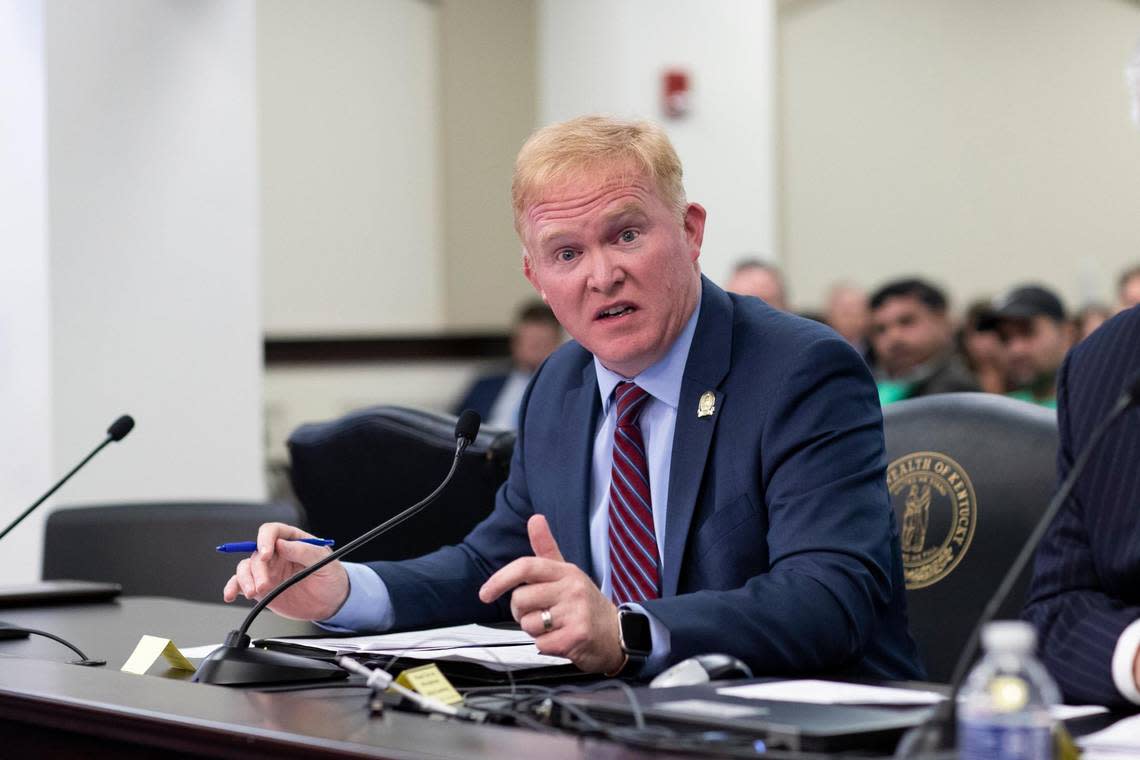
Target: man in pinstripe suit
[{"x": 1085, "y": 595}]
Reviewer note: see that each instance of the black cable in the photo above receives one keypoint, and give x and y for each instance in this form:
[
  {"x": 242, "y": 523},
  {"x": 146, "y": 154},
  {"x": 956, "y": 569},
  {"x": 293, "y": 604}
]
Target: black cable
[
  {"x": 84, "y": 659},
  {"x": 523, "y": 702},
  {"x": 662, "y": 738}
]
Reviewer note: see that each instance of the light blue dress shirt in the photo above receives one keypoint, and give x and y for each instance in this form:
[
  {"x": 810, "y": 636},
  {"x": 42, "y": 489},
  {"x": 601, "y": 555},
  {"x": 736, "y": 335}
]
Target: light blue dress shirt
[{"x": 369, "y": 605}]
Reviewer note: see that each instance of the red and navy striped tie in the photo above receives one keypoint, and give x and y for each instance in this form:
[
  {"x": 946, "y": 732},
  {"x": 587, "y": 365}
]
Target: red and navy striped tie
[{"x": 635, "y": 569}]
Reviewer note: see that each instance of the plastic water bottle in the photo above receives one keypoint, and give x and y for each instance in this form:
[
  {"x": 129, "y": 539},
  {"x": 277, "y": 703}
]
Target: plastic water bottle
[{"x": 1003, "y": 709}]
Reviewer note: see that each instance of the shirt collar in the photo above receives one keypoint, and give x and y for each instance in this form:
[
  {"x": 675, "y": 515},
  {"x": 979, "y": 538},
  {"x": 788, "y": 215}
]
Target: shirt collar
[{"x": 662, "y": 380}]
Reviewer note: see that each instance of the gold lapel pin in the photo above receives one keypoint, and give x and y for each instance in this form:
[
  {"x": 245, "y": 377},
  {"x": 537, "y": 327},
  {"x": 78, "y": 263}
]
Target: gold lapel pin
[{"x": 706, "y": 407}]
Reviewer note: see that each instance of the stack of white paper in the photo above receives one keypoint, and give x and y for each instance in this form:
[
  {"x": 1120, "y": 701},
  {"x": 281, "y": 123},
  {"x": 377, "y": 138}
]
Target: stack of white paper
[
  {"x": 495, "y": 648},
  {"x": 472, "y": 635},
  {"x": 821, "y": 692},
  {"x": 501, "y": 658},
  {"x": 831, "y": 693},
  {"x": 1120, "y": 740}
]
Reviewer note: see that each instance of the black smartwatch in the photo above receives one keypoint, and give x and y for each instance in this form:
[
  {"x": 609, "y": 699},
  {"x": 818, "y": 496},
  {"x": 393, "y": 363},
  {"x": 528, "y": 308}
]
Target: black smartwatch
[{"x": 636, "y": 638}]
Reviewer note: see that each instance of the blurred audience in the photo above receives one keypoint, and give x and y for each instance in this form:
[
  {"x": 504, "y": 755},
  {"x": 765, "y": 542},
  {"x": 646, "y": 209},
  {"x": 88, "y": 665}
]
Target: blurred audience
[
  {"x": 1128, "y": 288},
  {"x": 913, "y": 341},
  {"x": 982, "y": 349},
  {"x": 755, "y": 277},
  {"x": 1012, "y": 345},
  {"x": 496, "y": 397},
  {"x": 849, "y": 314},
  {"x": 1031, "y": 323},
  {"x": 1090, "y": 317}
]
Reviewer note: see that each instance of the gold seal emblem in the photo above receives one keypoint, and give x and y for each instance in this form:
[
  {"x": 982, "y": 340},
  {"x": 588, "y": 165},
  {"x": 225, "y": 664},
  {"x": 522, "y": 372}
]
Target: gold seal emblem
[
  {"x": 706, "y": 407},
  {"x": 939, "y": 514}
]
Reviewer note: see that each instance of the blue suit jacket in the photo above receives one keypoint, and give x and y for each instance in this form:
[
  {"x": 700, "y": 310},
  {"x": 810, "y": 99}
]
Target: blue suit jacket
[
  {"x": 780, "y": 543},
  {"x": 482, "y": 394},
  {"x": 1086, "y": 581}
]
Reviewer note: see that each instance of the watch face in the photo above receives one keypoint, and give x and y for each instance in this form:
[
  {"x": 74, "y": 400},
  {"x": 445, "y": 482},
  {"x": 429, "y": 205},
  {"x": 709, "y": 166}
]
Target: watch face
[{"x": 635, "y": 637}]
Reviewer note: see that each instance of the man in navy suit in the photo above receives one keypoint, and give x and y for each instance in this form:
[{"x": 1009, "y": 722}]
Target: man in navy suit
[
  {"x": 694, "y": 472},
  {"x": 496, "y": 396},
  {"x": 1085, "y": 595}
]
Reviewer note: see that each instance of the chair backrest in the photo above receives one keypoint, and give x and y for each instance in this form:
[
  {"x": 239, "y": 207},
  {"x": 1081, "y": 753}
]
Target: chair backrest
[
  {"x": 352, "y": 473},
  {"x": 969, "y": 475},
  {"x": 155, "y": 549}
]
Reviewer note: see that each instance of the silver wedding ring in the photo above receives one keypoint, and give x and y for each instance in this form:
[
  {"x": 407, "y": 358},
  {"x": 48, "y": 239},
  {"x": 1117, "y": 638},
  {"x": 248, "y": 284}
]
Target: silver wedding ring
[{"x": 547, "y": 622}]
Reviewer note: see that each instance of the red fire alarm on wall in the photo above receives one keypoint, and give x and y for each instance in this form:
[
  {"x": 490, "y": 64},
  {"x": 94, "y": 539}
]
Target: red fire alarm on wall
[{"x": 675, "y": 93}]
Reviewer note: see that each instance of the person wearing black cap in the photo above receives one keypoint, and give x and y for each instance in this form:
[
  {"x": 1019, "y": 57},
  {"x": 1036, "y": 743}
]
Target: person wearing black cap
[{"x": 1031, "y": 322}]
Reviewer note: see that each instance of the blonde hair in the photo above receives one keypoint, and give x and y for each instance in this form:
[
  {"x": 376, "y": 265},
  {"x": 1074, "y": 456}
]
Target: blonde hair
[{"x": 571, "y": 148}]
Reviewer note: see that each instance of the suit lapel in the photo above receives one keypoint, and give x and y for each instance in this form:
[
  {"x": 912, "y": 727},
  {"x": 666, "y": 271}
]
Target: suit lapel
[
  {"x": 709, "y": 359},
  {"x": 579, "y": 410}
]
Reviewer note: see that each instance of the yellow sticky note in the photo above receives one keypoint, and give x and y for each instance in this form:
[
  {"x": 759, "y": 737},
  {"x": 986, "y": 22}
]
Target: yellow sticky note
[
  {"x": 147, "y": 652},
  {"x": 430, "y": 682}
]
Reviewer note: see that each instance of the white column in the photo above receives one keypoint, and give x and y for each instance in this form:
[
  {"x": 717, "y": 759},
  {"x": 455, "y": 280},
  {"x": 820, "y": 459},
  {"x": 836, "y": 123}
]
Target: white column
[
  {"x": 25, "y": 357},
  {"x": 129, "y": 272},
  {"x": 154, "y": 245}
]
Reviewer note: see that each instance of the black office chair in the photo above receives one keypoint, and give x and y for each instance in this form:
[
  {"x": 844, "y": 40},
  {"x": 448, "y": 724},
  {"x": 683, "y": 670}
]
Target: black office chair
[
  {"x": 155, "y": 549},
  {"x": 969, "y": 475},
  {"x": 352, "y": 473}
]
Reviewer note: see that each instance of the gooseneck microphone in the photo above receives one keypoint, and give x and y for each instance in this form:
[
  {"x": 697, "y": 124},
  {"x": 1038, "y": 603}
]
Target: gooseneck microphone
[
  {"x": 117, "y": 432},
  {"x": 236, "y": 662},
  {"x": 939, "y": 730}
]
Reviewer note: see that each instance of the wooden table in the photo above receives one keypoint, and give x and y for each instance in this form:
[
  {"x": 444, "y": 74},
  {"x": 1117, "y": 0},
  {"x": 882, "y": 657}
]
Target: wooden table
[{"x": 49, "y": 708}]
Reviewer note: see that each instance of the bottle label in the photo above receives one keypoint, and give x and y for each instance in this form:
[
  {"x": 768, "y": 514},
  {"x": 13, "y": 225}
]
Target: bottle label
[
  {"x": 1008, "y": 693},
  {"x": 989, "y": 741}
]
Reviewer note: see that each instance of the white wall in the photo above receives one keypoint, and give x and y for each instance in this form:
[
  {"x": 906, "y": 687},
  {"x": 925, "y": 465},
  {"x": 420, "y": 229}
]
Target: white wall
[
  {"x": 350, "y": 144},
  {"x": 389, "y": 130},
  {"x": 151, "y": 270},
  {"x": 606, "y": 57},
  {"x": 506, "y": 67},
  {"x": 489, "y": 85},
  {"x": 25, "y": 359},
  {"x": 979, "y": 143}
]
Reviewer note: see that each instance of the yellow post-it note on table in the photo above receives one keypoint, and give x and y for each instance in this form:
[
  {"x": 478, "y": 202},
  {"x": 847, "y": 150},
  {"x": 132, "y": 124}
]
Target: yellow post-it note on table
[
  {"x": 430, "y": 682},
  {"x": 149, "y": 649}
]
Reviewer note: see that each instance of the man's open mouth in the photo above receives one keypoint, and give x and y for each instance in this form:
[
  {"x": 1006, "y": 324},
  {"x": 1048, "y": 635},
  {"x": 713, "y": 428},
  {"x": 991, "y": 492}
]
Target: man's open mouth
[{"x": 615, "y": 312}]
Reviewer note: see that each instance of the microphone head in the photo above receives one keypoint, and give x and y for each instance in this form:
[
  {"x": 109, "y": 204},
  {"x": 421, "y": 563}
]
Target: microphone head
[
  {"x": 467, "y": 426},
  {"x": 120, "y": 427}
]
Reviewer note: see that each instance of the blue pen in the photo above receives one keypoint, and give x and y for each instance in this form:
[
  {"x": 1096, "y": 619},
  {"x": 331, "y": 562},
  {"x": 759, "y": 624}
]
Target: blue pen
[{"x": 251, "y": 546}]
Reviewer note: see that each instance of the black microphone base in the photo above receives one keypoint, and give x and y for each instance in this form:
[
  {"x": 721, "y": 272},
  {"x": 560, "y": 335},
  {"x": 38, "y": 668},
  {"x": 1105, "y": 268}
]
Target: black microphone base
[{"x": 244, "y": 666}]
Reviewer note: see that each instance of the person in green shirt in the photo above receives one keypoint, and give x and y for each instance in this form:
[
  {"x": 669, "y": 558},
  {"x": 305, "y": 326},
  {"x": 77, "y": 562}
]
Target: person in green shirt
[
  {"x": 913, "y": 338},
  {"x": 1031, "y": 322}
]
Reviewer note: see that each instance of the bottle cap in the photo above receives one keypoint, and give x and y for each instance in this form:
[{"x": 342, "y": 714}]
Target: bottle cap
[{"x": 1009, "y": 636}]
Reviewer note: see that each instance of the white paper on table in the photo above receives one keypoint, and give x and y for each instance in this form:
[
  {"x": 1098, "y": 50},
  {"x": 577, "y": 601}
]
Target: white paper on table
[
  {"x": 1072, "y": 712},
  {"x": 501, "y": 658},
  {"x": 1123, "y": 736},
  {"x": 832, "y": 693},
  {"x": 197, "y": 653},
  {"x": 471, "y": 635}
]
